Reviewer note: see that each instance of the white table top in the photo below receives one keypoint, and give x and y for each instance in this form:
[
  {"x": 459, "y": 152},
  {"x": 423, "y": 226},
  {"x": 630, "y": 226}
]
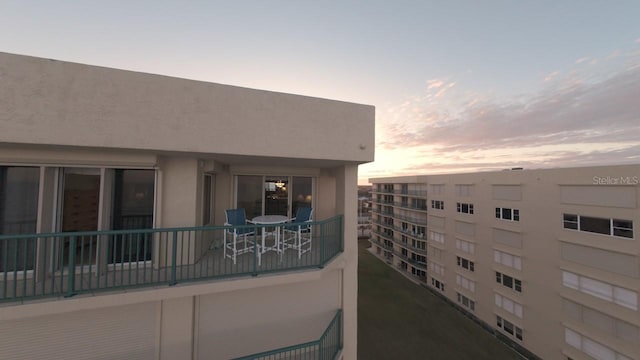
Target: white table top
[{"x": 269, "y": 219}]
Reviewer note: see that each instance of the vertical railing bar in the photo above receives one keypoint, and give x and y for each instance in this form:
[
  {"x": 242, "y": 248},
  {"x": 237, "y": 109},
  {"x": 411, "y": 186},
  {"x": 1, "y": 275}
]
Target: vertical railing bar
[
  {"x": 82, "y": 260},
  {"x": 166, "y": 258},
  {"x": 5, "y": 253},
  {"x": 129, "y": 242},
  {"x": 93, "y": 259},
  {"x": 71, "y": 272},
  {"x": 174, "y": 256},
  {"x": 204, "y": 253},
  {"x": 145, "y": 241},
  {"x": 54, "y": 261},
  {"x": 15, "y": 267},
  {"x": 189, "y": 258},
  {"x": 24, "y": 268}
]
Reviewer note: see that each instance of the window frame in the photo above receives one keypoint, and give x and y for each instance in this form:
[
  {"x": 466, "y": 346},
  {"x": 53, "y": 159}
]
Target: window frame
[{"x": 618, "y": 228}]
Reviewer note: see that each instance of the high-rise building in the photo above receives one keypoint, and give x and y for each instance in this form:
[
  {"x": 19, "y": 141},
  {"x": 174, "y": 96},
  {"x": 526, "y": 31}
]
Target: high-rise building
[
  {"x": 118, "y": 235},
  {"x": 547, "y": 259}
]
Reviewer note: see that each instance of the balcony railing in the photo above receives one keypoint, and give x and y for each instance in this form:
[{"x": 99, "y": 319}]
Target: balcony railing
[
  {"x": 325, "y": 348},
  {"x": 66, "y": 264}
]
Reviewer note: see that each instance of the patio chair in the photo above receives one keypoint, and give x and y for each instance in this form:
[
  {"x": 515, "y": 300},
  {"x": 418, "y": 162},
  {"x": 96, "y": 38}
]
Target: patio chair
[
  {"x": 297, "y": 236},
  {"x": 237, "y": 217}
]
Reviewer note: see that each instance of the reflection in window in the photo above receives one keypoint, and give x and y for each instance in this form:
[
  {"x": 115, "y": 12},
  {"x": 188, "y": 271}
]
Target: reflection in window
[
  {"x": 301, "y": 193},
  {"x": 132, "y": 209},
  {"x": 249, "y": 195}
]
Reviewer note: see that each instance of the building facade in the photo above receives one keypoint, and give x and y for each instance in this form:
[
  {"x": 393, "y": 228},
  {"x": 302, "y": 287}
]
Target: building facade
[
  {"x": 113, "y": 191},
  {"x": 546, "y": 259}
]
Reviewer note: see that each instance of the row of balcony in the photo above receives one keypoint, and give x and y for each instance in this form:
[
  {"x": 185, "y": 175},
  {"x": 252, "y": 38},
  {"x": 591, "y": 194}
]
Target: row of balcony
[
  {"x": 401, "y": 192},
  {"x": 405, "y": 205},
  {"x": 399, "y": 243}
]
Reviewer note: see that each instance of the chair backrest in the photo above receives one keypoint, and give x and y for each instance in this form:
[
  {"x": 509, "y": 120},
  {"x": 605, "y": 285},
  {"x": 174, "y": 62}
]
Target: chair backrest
[
  {"x": 303, "y": 214},
  {"x": 236, "y": 216}
]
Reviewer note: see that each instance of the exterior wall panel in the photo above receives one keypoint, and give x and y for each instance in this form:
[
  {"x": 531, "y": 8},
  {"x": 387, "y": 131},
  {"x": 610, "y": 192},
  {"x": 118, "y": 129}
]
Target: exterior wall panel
[
  {"x": 123, "y": 332},
  {"x": 599, "y": 195}
]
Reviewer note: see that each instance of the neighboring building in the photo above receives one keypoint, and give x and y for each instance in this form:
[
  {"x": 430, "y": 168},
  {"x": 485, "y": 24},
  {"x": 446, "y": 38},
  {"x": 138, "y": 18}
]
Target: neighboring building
[
  {"x": 547, "y": 259},
  {"x": 364, "y": 211},
  {"x": 125, "y": 178}
]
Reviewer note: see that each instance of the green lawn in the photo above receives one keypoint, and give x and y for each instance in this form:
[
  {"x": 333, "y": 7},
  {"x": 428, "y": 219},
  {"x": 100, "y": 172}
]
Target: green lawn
[{"x": 398, "y": 319}]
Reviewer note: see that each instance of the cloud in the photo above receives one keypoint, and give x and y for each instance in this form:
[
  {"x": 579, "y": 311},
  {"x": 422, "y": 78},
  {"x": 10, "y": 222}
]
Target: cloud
[
  {"x": 551, "y": 76},
  {"x": 435, "y": 83},
  {"x": 582, "y": 59},
  {"x": 579, "y": 119}
]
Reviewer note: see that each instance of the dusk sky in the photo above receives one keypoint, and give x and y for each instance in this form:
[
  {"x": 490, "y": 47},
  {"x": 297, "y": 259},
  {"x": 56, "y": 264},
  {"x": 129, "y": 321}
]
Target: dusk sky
[{"x": 458, "y": 86}]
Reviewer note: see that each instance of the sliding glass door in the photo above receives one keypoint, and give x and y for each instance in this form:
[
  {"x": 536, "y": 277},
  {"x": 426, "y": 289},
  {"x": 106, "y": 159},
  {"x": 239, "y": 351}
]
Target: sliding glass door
[
  {"x": 273, "y": 195},
  {"x": 133, "y": 205},
  {"x": 80, "y": 212},
  {"x": 276, "y": 195}
]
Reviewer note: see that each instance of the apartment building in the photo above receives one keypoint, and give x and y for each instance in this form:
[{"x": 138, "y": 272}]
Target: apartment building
[
  {"x": 114, "y": 187},
  {"x": 546, "y": 259}
]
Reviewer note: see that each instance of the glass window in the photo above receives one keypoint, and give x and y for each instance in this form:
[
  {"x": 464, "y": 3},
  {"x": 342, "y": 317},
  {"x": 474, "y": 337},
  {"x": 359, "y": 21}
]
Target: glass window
[
  {"x": 570, "y": 221},
  {"x": 19, "y": 188},
  {"x": 133, "y": 208},
  {"x": 623, "y": 228},
  {"x": 249, "y": 195},
  {"x": 301, "y": 193},
  {"x": 595, "y": 225},
  {"x": 506, "y": 213},
  {"x": 18, "y": 199},
  {"x": 507, "y": 281}
]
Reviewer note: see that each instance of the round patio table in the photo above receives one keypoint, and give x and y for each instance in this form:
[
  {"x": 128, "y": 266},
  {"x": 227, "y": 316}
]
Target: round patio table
[{"x": 276, "y": 221}]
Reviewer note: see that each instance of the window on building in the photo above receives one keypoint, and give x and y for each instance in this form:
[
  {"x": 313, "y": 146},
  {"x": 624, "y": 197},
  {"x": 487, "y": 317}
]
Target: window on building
[
  {"x": 436, "y": 236},
  {"x": 506, "y": 259},
  {"x": 509, "y": 327},
  {"x": 436, "y": 189},
  {"x": 465, "y": 264},
  {"x": 437, "y": 268},
  {"x": 508, "y": 281},
  {"x": 590, "y": 347},
  {"x": 464, "y": 208},
  {"x": 464, "y": 190},
  {"x": 465, "y": 283},
  {"x": 420, "y": 245},
  {"x": 466, "y": 302},
  {"x": 601, "y": 290},
  {"x": 465, "y": 246},
  {"x": 507, "y": 214},
  {"x": 437, "y": 204},
  {"x": 508, "y": 305},
  {"x": 437, "y": 284},
  {"x": 605, "y": 226}
]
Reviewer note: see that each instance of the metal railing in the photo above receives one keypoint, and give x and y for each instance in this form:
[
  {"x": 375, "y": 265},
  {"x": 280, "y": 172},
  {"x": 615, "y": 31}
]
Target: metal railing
[
  {"x": 66, "y": 264},
  {"x": 325, "y": 348}
]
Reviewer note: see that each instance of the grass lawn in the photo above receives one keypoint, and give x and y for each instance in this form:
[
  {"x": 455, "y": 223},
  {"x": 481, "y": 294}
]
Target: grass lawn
[{"x": 398, "y": 319}]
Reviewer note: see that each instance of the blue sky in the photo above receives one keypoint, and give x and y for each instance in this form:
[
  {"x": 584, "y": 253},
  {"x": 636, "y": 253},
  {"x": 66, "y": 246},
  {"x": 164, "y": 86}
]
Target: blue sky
[{"x": 458, "y": 85}]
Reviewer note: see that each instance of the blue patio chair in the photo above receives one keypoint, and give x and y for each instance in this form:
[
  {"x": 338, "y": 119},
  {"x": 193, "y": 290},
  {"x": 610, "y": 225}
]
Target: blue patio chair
[
  {"x": 297, "y": 236},
  {"x": 237, "y": 217}
]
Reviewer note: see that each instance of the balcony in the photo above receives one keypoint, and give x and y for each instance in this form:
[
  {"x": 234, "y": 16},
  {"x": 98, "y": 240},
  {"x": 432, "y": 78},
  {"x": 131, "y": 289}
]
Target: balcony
[
  {"x": 66, "y": 264},
  {"x": 412, "y": 219},
  {"x": 326, "y": 347}
]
